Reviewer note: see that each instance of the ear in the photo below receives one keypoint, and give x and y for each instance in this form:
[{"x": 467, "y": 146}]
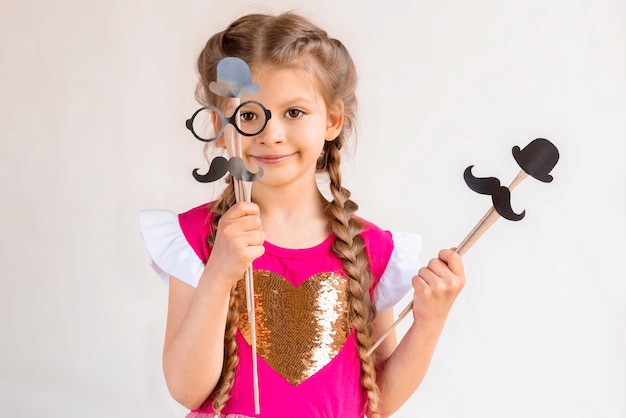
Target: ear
[
  {"x": 221, "y": 141},
  {"x": 334, "y": 120}
]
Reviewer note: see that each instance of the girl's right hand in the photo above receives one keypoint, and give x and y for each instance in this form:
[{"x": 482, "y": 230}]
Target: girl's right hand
[{"x": 239, "y": 241}]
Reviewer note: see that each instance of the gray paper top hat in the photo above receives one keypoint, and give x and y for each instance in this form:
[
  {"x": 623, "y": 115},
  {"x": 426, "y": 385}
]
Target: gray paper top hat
[
  {"x": 537, "y": 158},
  {"x": 233, "y": 79}
]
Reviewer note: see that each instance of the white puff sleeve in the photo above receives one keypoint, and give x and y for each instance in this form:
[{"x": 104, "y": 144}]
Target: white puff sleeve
[
  {"x": 169, "y": 250},
  {"x": 404, "y": 263}
]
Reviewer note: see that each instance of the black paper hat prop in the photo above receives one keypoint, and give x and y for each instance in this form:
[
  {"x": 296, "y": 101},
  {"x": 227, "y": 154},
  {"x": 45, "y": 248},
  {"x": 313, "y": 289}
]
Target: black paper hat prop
[{"x": 537, "y": 159}]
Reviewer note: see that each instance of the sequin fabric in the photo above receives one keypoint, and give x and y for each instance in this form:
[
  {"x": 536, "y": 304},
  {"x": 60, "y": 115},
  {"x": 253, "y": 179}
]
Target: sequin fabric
[{"x": 299, "y": 329}]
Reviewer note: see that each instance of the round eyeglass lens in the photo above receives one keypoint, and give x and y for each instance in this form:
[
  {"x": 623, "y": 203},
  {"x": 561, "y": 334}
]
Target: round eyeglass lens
[
  {"x": 251, "y": 118},
  {"x": 207, "y": 123}
]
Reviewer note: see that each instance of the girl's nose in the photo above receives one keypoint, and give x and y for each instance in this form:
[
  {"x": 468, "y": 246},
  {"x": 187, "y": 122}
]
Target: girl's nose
[{"x": 273, "y": 133}]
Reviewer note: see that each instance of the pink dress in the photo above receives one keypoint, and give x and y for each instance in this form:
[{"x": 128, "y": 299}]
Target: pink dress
[{"x": 306, "y": 351}]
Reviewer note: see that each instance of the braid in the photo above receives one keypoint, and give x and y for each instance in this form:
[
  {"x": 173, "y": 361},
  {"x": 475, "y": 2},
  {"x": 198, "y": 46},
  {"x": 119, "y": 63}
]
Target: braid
[
  {"x": 219, "y": 208},
  {"x": 350, "y": 247},
  {"x": 221, "y": 394}
]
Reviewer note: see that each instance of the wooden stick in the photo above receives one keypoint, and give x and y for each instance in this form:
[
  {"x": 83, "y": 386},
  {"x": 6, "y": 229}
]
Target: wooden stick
[
  {"x": 247, "y": 194},
  {"x": 243, "y": 193},
  {"x": 481, "y": 227}
]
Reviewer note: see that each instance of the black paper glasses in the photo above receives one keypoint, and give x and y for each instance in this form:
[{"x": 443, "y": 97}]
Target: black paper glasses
[{"x": 208, "y": 123}]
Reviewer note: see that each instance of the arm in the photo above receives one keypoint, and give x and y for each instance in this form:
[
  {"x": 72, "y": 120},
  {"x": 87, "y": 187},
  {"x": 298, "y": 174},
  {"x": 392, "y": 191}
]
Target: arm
[
  {"x": 193, "y": 351},
  {"x": 402, "y": 369}
]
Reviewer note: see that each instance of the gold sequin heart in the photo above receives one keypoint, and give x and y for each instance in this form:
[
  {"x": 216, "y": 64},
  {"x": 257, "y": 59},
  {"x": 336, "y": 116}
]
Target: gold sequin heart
[{"x": 300, "y": 329}]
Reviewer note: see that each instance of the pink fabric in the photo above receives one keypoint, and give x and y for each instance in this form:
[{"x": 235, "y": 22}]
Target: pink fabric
[
  {"x": 333, "y": 391},
  {"x": 198, "y": 414}
]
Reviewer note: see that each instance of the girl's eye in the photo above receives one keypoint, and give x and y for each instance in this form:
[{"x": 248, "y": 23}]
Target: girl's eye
[
  {"x": 294, "y": 113},
  {"x": 247, "y": 116}
]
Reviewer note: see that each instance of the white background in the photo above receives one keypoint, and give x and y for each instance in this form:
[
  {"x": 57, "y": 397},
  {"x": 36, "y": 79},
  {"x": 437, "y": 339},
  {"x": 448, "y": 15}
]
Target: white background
[{"x": 93, "y": 98}]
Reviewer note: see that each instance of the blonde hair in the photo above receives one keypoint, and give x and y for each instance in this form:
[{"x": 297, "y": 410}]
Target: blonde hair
[{"x": 281, "y": 40}]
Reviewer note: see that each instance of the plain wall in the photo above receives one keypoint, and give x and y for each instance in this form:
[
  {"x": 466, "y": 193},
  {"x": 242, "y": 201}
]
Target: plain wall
[{"x": 93, "y": 98}]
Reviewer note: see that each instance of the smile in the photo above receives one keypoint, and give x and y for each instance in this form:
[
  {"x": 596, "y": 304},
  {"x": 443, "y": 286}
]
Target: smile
[{"x": 271, "y": 159}]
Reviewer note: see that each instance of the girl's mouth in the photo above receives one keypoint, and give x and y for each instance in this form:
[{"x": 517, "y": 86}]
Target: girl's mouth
[{"x": 271, "y": 159}]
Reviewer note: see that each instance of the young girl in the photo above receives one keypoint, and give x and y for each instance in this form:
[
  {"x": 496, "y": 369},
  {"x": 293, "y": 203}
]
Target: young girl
[{"x": 325, "y": 279}]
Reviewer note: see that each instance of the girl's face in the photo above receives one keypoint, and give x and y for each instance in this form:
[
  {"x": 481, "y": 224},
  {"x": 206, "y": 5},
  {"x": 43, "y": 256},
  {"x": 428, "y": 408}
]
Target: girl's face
[{"x": 291, "y": 143}]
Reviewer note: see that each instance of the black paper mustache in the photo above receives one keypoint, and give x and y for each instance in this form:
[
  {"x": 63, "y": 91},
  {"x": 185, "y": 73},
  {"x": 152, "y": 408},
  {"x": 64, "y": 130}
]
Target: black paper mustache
[
  {"x": 220, "y": 166},
  {"x": 500, "y": 195}
]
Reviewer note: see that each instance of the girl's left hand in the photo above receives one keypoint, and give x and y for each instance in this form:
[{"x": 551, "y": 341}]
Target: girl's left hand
[{"x": 435, "y": 289}]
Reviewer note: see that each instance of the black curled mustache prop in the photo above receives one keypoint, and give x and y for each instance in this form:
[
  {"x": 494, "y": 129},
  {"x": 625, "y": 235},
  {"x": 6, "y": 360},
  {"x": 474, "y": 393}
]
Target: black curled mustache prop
[
  {"x": 220, "y": 166},
  {"x": 500, "y": 195}
]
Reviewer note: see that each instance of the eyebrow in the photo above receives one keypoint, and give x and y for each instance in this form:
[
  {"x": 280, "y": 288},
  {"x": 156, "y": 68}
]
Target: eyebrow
[{"x": 298, "y": 99}]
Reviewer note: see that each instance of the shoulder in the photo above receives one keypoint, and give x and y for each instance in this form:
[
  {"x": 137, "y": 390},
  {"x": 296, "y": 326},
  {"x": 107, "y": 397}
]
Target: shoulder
[
  {"x": 379, "y": 246},
  {"x": 394, "y": 260},
  {"x": 176, "y": 243},
  {"x": 196, "y": 226}
]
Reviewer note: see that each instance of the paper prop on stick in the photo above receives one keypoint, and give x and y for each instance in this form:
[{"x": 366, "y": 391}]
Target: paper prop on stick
[
  {"x": 500, "y": 195},
  {"x": 220, "y": 166},
  {"x": 248, "y": 119},
  {"x": 537, "y": 159},
  {"x": 208, "y": 123}
]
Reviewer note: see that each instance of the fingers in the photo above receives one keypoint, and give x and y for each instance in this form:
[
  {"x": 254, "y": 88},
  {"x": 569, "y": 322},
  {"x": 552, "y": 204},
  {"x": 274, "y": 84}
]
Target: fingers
[
  {"x": 241, "y": 210},
  {"x": 243, "y": 217},
  {"x": 436, "y": 287},
  {"x": 443, "y": 273},
  {"x": 239, "y": 240},
  {"x": 453, "y": 260}
]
